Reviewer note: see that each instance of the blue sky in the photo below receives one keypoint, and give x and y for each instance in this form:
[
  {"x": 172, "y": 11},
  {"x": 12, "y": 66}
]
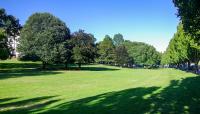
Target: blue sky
[{"x": 150, "y": 21}]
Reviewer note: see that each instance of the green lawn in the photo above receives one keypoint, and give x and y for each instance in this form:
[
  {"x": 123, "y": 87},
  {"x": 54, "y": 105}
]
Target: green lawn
[{"x": 96, "y": 89}]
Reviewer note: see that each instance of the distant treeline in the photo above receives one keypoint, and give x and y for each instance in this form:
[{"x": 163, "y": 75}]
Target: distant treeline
[{"x": 120, "y": 52}]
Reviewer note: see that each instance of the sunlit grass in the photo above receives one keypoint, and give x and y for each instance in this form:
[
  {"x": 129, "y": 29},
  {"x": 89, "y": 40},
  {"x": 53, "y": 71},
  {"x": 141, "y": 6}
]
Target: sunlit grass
[{"x": 97, "y": 89}]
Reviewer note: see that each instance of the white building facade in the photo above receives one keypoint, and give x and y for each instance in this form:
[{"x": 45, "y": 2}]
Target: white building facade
[{"x": 13, "y": 43}]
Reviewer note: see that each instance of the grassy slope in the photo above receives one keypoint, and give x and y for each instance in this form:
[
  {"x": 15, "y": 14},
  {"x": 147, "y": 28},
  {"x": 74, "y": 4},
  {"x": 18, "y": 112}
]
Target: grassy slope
[{"x": 97, "y": 89}]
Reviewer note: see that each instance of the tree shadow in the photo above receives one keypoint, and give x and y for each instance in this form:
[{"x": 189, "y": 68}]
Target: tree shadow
[
  {"x": 27, "y": 106},
  {"x": 180, "y": 97},
  {"x": 14, "y": 70},
  {"x": 122, "y": 102},
  {"x": 2, "y": 100},
  {"x": 94, "y": 68},
  {"x": 19, "y": 65},
  {"x": 15, "y": 73}
]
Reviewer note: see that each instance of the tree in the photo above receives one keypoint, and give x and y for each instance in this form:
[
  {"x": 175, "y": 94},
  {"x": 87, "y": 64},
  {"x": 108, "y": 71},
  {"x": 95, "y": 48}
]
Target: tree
[
  {"x": 142, "y": 54},
  {"x": 4, "y": 50},
  {"x": 189, "y": 12},
  {"x": 64, "y": 53},
  {"x": 43, "y": 35},
  {"x": 11, "y": 27},
  {"x": 121, "y": 56},
  {"x": 106, "y": 50},
  {"x": 179, "y": 50},
  {"x": 118, "y": 39},
  {"x": 84, "y": 50}
]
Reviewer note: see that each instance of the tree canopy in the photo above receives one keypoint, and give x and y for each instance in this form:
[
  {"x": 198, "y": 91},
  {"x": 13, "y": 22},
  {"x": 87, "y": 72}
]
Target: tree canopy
[
  {"x": 106, "y": 50},
  {"x": 189, "y": 13},
  {"x": 118, "y": 39},
  {"x": 4, "y": 50},
  {"x": 179, "y": 51},
  {"x": 142, "y": 54},
  {"x": 84, "y": 50},
  {"x": 43, "y": 35}
]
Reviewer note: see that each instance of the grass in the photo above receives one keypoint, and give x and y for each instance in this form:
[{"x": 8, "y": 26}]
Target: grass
[{"x": 97, "y": 89}]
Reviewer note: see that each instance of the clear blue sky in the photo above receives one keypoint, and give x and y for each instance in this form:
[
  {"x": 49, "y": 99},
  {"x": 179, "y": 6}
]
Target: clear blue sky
[{"x": 150, "y": 21}]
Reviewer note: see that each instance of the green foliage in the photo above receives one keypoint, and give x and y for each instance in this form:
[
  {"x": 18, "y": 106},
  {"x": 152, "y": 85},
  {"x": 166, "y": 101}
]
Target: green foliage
[
  {"x": 106, "y": 50},
  {"x": 43, "y": 35},
  {"x": 179, "y": 49},
  {"x": 4, "y": 50},
  {"x": 121, "y": 56},
  {"x": 189, "y": 12},
  {"x": 118, "y": 39},
  {"x": 143, "y": 54},
  {"x": 84, "y": 50}
]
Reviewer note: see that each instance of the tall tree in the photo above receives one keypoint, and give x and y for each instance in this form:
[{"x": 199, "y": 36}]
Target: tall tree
[
  {"x": 4, "y": 50},
  {"x": 43, "y": 35},
  {"x": 118, "y": 39},
  {"x": 106, "y": 50},
  {"x": 189, "y": 12},
  {"x": 142, "y": 54},
  {"x": 122, "y": 57},
  {"x": 179, "y": 49},
  {"x": 84, "y": 50}
]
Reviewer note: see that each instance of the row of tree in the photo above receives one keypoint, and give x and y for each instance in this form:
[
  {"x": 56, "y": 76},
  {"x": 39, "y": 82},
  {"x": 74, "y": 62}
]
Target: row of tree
[
  {"x": 46, "y": 38},
  {"x": 180, "y": 52},
  {"x": 122, "y": 52},
  {"x": 184, "y": 47}
]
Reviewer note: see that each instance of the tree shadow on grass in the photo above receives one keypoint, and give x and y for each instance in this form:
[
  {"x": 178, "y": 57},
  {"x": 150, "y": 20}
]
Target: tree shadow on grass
[
  {"x": 122, "y": 102},
  {"x": 14, "y": 70},
  {"x": 2, "y": 100},
  {"x": 94, "y": 68},
  {"x": 180, "y": 97},
  {"x": 15, "y": 73},
  {"x": 19, "y": 65},
  {"x": 27, "y": 106}
]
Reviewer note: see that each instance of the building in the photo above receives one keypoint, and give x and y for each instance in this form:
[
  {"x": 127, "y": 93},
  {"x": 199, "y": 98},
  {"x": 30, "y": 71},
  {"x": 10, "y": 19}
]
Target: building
[{"x": 13, "y": 43}]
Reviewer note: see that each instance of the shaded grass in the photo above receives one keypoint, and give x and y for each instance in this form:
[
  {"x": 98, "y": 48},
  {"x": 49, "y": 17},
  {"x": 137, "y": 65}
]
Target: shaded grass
[{"x": 96, "y": 89}]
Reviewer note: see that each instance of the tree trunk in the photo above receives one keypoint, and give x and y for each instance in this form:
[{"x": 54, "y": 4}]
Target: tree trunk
[
  {"x": 196, "y": 61},
  {"x": 43, "y": 65},
  {"x": 178, "y": 66},
  {"x": 188, "y": 65},
  {"x": 196, "y": 67},
  {"x": 66, "y": 66},
  {"x": 79, "y": 65}
]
